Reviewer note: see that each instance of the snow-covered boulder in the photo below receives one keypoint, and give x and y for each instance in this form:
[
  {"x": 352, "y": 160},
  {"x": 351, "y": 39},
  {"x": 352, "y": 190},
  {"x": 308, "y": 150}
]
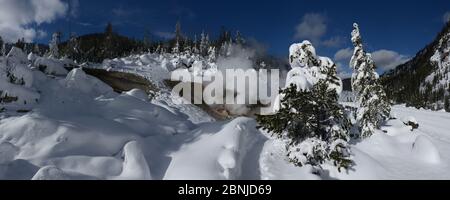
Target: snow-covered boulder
[
  {"x": 411, "y": 121},
  {"x": 50, "y": 66},
  {"x": 135, "y": 166},
  {"x": 78, "y": 80}
]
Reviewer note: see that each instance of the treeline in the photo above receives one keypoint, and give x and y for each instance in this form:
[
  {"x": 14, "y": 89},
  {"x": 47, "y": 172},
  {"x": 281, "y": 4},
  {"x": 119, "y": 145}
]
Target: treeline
[{"x": 107, "y": 45}]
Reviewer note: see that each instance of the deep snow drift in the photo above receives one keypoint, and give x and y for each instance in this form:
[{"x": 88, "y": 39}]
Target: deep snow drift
[{"x": 73, "y": 126}]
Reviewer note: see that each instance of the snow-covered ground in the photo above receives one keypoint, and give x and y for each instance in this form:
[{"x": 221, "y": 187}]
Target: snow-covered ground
[{"x": 80, "y": 129}]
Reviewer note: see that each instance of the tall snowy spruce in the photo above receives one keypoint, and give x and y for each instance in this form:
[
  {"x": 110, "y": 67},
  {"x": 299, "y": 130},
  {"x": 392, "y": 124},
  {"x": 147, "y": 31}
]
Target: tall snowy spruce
[
  {"x": 54, "y": 49},
  {"x": 309, "y": 116},
  {"x": 374, "y": 107}
]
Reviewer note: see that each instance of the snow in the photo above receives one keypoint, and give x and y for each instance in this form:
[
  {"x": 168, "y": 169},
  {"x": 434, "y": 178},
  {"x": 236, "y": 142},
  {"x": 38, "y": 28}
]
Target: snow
[
  {"x": 134, "y": 166},
  {"x": 78, "y": 80},
  {"x": 218, "y": 152},
  {"x": 81, "y": 129},
  {"x": 425, "y": 150},
  {"x": 51, "y": 66},
  {"x": 7, "y": 152}
]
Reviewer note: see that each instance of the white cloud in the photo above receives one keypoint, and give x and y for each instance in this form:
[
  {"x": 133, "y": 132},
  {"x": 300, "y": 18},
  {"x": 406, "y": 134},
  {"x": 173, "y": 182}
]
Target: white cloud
[
  {"x": 342, "y": 71},
  {"x": 446, "y": 17},
  {"x": 165, "y": 35},
  {"x": 74, "y": 8},
  {"x": 313, "y": 27},
  {"x": 17, "y": 17},
  {"x": 343, "y": 54},
  {"x": 387, "y": 59},
  {"x": 336, "y": 41}
]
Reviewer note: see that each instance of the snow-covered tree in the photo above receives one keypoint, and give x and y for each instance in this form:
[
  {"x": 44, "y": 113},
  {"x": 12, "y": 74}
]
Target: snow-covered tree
[
  {"x": 37, "y": 50},
  {"x": 16, "y": 79},
  {"x": 374, "y": 107},
  {"x": 176, "y": 48},
  {"x": 73, "y": 47},
  {"x": 3, "y": 52},
  {"x": 54, "y": 49},
  {"x": 212, "y": 54},
  {"x": 239, "y": 39},
  {"x": 204, "y": 44},
  {"x": 195, "y": 48},
  {"x": 309, "y": 116}
]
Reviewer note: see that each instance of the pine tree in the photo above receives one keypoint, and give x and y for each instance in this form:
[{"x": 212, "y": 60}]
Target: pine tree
[
  {"x": 176, "y": 48},
  {"x": 54, "y": 49},
  {"x": 73, "y": 49},
  {"x": 239, "y": 39},
  {"x": 204, "y": 44},
  {"x": 212, "y": 54},
  {"x": 36, "y": 49},
  {"x": 314, "y": 124},
  {"x": 310, "y": 119},
  {"x": 374, "y": 107},
  {"x": 20, "y": 44}
]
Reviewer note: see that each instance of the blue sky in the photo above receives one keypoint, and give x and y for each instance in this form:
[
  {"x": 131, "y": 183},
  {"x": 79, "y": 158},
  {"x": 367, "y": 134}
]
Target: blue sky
[{"x": 401, "y": 28}]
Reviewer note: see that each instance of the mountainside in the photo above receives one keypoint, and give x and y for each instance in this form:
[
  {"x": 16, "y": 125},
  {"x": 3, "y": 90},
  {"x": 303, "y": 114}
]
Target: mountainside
[{"x": 424, "y": 80}]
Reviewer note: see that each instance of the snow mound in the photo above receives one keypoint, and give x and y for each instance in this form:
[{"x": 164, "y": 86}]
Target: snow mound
[
  {"x": 50, "y": 66},
  {"x": 218, "y": 152},
  {"x": 134, "y": 166},
  {"x": 8, "y": 152},
  {"x": 32, "y": 57},
  {"x": 16, "y": 57},
  {"x": 424, "y": 150},
  {"x": 78, "y": 80}
]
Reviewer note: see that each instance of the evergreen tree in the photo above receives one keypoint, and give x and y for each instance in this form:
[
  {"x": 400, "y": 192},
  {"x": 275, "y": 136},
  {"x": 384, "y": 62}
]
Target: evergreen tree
[
  {"x": 20, "y": 44},
  {"x": 195, "y": 48},
  {"x": 239, "y": 39},
  {"x": 204, "y": 44},
  {"x": 176, "y": 48},
  {"x": 212, "y": 54},
  {"x": 374, "y": 107},
  {"x": 109, "y": 49},
  {"x": 314, "y": 124},
  {"x": 36, "y": 50},
  {"x": 310, "y": 118},
  {"x": 73, "y": 49},
  {"x": 54, "y": 49}
]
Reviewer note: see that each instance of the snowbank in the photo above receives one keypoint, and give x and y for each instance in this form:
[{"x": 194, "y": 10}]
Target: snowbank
[{"x": 218, "y": 151}]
